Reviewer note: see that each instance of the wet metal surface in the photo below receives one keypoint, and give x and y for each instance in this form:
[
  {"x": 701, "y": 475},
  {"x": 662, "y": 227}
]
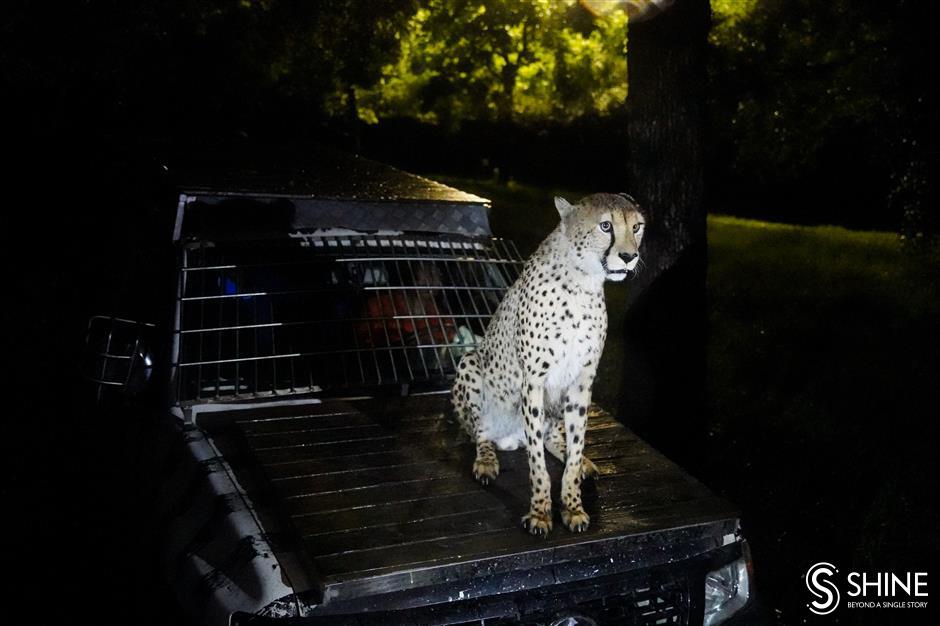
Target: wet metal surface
[
  {"x": 381, "y": 499},
  {"x": 327, "y": 174}
]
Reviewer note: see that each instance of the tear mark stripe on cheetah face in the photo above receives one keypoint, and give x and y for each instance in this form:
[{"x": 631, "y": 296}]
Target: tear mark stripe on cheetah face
[
  {"x": 530, "y": 380},
  {"x": 613, "y": 240}
]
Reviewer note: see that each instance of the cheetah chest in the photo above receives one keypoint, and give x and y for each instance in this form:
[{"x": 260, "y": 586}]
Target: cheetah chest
[{"x": 576, "y": 340}]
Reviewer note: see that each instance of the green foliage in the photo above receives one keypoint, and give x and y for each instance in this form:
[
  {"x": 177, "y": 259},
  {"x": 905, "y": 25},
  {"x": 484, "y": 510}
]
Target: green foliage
[
  {"x": 788, "y": 72},
  {"x": 502, "y": 59},
  {"x": 231, "y": 60},
  {"x": 320, "y": 50},
  {"x": 802, "y": 88}
]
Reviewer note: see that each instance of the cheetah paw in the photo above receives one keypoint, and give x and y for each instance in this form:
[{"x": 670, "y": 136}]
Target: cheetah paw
[
  {"x": 588, "y": 469},
  {"x": 575, "y": 520},
  {"x": 538, "y": 522},
  {"x": 485, "y": 471}
]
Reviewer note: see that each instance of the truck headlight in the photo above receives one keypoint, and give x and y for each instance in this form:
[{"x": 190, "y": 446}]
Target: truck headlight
[{"x": 727, "y": 590}]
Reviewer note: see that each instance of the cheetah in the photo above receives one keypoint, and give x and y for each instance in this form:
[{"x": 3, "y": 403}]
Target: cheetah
[{"x": 529, "y": 381}]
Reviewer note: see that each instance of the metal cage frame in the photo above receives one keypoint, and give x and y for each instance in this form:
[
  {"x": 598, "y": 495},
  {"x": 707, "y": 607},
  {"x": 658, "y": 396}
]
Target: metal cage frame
[
  {"x": 314, "y": 312},
  {"x": 116, "y": 354}
]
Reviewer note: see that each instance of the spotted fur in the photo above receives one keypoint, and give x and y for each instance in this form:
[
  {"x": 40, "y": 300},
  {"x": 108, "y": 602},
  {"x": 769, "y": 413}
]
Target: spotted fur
[{"x": 529, "y": 383}]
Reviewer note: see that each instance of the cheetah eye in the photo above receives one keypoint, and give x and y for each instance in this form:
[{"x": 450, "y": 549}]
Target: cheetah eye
[
  {"x": 637, "y": 227},
  {"x": 605, "y": 226}
]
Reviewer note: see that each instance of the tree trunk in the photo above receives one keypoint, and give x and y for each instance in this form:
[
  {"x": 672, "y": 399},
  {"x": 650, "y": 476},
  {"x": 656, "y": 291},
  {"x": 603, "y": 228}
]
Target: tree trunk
[
  {"x": 664, "y": 391},
  {"x": 352, "y": 118},
  {"x": 506, "y": 97}
]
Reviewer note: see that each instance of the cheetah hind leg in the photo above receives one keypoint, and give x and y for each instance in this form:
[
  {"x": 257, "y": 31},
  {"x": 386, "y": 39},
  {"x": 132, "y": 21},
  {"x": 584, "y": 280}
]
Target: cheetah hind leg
[
  {"x": 467, "y": 407},
  {"x": 555, "y": 444},
  {"x": 465, "y": 396}
]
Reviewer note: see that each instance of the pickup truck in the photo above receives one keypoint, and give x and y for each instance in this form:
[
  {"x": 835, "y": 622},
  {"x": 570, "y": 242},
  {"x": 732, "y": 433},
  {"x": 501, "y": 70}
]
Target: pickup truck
[{"x": 297, "y": 443}]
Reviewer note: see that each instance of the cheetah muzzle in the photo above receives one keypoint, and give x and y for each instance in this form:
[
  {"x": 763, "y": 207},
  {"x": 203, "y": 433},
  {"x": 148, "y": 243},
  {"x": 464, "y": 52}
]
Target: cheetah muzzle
[{"x": 530, "y": 380}]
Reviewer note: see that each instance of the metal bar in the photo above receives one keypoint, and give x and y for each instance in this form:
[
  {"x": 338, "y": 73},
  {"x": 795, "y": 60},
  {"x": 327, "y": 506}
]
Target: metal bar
[
  {"x": 509, "y": 274},
  {"x": 512, "y": 244},
  {"x": 428, "y": 266},
  {"x": 465, "y": 284},
  {"x": 110, "y": 383},
  {"x": 425, "y": 258},
  {"x": 388, "y": 338},
  {"x": 362, "y": 370},
  {"x": 106, "y": 355},
  {"x": 218, "y": 340},
  {"x": 176, "y": 355},
  {"x": 107, "y": 348},
  {"x": 407, "y": 302},
  {"x": 326, "y": 258},
  {"x": 202, "y": 323},
  {"x": 273, "y": 351},
  {"x": 375, "y": 356},
  {"x": 395, "y": 316},
  {"x": 440, "y": 321},
  {"x": 130, "y": 364},
  {"x": 293, "y": 373},
  {"x": 457, "y": 292},
  {"x": 118, "y": 319},
  {"x": 454, "y": 316},
  {"x": 240, "y": 277},
  {"x": 501, "y": 269},
  {"x": 254, "y": 310},
  {"x": 320, "y": 291}
]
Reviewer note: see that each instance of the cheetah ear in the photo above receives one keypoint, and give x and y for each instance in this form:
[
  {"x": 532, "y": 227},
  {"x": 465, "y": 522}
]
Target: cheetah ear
[
  {"x": 629, "y": 198},
  {"x": 564, "y": 207}
]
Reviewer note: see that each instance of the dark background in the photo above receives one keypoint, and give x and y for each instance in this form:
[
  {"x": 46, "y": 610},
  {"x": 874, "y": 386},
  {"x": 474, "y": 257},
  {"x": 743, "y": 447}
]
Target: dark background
[{"x": 817, "y": 113}]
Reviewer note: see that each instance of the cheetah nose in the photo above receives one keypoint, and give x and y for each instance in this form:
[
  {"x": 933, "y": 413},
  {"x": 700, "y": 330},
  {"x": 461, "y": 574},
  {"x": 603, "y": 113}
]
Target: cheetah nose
[{"x": 628, "y": 256}]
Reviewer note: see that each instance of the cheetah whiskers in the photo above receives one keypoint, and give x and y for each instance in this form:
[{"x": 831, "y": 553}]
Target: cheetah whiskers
[{"x": 640, "y": 266}]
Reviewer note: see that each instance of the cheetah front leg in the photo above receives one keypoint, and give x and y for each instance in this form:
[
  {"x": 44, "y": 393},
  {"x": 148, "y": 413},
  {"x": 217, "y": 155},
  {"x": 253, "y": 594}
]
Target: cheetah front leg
[
  {"x": 556, "y": 446},
  {"x": 538, "y": 520},
  {"x": 577, "y": 401},
  {"x": 486, "y": 465}
]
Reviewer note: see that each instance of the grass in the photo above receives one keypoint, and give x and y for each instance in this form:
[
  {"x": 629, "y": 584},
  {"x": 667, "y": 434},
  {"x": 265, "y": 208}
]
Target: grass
[
  {"x": 823, "y": 366},
  {"x": 823, "y": 357}
]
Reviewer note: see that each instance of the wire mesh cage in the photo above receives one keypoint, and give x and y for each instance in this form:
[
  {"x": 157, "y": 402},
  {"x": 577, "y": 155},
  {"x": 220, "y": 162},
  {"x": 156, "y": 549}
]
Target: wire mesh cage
[
  {"x": 318, "y": 312},
  {"x": 116, "y": 355}
]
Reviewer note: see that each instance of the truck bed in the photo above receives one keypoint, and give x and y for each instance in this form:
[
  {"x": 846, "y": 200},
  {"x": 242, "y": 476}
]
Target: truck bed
[{"x": 376, "y": 497}]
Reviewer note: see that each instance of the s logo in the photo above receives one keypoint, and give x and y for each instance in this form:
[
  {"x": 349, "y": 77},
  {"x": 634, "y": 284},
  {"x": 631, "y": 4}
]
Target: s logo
[{"x": 824, "y": 591}]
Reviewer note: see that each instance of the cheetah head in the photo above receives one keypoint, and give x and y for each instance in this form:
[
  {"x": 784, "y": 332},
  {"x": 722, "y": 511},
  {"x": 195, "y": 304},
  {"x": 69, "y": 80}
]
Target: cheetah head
[{"x": 605, "y": 231}]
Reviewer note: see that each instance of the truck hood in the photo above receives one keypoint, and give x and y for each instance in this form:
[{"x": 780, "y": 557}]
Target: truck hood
[{"x": 374, "y": 499}]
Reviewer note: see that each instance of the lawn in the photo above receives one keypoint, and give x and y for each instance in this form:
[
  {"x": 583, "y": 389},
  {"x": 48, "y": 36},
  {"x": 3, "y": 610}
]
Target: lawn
[
  {"x": 823, "y": 371},
  {"x": 823, "y": 366}
]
